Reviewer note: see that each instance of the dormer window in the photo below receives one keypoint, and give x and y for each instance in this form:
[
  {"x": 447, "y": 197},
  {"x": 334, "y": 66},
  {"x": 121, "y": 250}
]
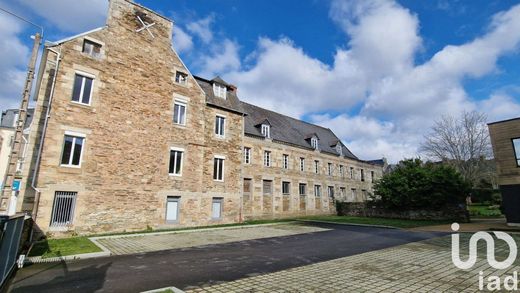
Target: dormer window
[
  {"x": 339, "y": 149},
  {"x": 266, "y": 130},
  {"x": 91, "y": 48},
  {"x": 181, "y": 77},
  {"x": 314, "y": 143},
  {"x": 219, "y": 90}
]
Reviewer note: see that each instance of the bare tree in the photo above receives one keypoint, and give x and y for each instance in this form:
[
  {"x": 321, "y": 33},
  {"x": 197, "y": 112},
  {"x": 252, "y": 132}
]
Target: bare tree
[{"x": 462, "y": 142}]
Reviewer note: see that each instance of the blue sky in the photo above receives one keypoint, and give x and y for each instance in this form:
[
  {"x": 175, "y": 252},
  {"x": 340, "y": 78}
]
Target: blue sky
[{"x": 377, "y": 72}]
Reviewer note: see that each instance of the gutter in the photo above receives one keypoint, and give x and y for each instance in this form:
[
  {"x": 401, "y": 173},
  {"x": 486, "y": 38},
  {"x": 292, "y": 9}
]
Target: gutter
[{"x": 42, "y": 138}]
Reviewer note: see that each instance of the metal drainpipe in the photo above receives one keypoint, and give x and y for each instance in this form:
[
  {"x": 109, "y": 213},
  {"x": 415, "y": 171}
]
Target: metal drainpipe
[{"x": 42, "y": 138}]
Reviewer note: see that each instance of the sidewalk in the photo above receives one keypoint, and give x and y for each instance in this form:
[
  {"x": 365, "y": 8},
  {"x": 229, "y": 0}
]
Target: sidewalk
[{"x": 493, "y": 224}]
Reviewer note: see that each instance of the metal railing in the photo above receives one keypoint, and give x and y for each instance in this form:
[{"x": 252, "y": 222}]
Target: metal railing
[
  {"x": 63, "y": 209},
  {"x": 11, "y": 228}
]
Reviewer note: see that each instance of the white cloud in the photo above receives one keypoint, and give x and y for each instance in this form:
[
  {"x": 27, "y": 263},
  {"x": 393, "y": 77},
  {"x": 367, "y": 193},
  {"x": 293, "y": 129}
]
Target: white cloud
[
  {"x": 202, "y": 28},
  {"x": 70, "y": 16},
  {"x": 181, "y": 40},
  {"x": 500, "y": 107},
  {"x": 222, "y": 58},
  {"x": 13, "y": 60}
]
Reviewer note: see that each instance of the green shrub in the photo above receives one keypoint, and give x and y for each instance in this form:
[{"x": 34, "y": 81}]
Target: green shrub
[{"x": 414, "y": 185}]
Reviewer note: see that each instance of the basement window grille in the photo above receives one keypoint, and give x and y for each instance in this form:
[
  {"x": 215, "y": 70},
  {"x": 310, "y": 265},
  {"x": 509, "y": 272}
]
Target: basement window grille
[{"x": 63, "y": 209}]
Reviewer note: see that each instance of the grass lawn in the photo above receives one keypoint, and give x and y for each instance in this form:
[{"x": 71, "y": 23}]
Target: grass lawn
[
  {"x": 398, "y": 223},
  {"x": 484, "y": 211},
  {"x": 61, "y": 247}
]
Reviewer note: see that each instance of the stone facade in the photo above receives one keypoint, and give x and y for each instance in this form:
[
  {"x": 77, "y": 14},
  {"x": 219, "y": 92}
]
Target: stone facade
[
  {"x": 122, "y": 182},
  {"x": 503, "y": 135}
]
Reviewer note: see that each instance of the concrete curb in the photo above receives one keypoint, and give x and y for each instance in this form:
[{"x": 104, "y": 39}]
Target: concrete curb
[
  {"x": 350, "y": 224},
  {"x": 39, "y": 259},
  {"x": 173, "y": 289},
  {"x": 189, "y": 230}
]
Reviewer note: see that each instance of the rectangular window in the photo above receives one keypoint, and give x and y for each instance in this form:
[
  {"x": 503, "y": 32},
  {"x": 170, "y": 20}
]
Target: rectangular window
[
  {"x": 317, "y": 190},
  {"x": 216, "y": 208},
  {"x": 351, "y": 172},
  {"x": 72, "y": 151},
  {"x": 516, "y": 147},
  {"x": 247, "y": 155},
  {"x": 285, "y": 161},
  {"x": 91, "y": 48},
  {"x": 267, "y": 186},
  {"x": 354, "y": 194},
  {"x": 220, "y": 125},
  {"x": 82, "y": 90},
  {"x": 317, "y": 167},
  {"x": 362, "y": 175},
  {"x": 172, "y": 209},
  {"x": 302, "y": 164},
  {"x": 341, "y": 171},
  {"x": 181, "y": 77},
  {"x": 63, "y": 208},
  {"x": 218, "y": 169},
  {"x": 247, "y": 185},
  {"x": 267, "y": 158},
  {"x": 179, "y": 112},
  {"x": 219, "y": 90},
  {"x": 175, "y": 167},
  {"x": 286, "y": 187},
  {"x": 342, "y": 192},
  {"x": 266, "y": 130},
  {"x": 330, "y": 169},
  {"x": 302, "y": 188},
  {"x": 331, "y": 191},
  {"x": 372, "y": 176}
]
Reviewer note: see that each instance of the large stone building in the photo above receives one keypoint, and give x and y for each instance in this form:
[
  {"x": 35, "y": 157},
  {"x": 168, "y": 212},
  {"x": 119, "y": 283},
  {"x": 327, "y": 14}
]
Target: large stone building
[
  {"x": 505, "y": 138},
  {"x": 124, "y": 137}
]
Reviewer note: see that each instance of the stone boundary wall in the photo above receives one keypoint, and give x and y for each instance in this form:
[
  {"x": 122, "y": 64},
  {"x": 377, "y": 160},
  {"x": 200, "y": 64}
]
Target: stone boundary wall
[{"x": 372, "y": 210}]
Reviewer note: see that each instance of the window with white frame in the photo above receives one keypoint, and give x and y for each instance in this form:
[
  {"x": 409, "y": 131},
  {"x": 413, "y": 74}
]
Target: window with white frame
[
  {"x": 247, "y": 155},
  {"x": 220, "y": 125},
  {"x": 286, "y": 187},
  {"x": 179, "y": 112},
  {"x": 302, "y": 164},
  {"x": 302, "y": 189},
  {"x": 354, "y": 194},
  {"x": 331, "y": 191},
  {"x": 63, "y": 209},
  {"x": 316, "y": 166},
  {"x": 216, "y": 208},
  {"x": 317, "y": 190},
  {"x": 266, "y": 130},
  {"x": 218, "y": 168},
  {"x": 314, "y": 142},
  {"x": 172, "y": 209},
  {"x": 285, "y": 160},
  {"x": 339, "y": 149},
  {"x": 516, "y": 149},
  {"x": 351, "y": 172},
  {"x": 330, "y": 169},
  {"x": 72, "y": 150},
  {"x": 91, "y": 48},
  {"x": 181, "y": 77},
  {"x": 82, "y": 89},
  {"x": 175, "y": 166},
  {"x": 341, "y": 171},
  {"x": 267, "y": 158},
  {"x": 219, "y": 90},
  {"x": 342, "y": 192}
]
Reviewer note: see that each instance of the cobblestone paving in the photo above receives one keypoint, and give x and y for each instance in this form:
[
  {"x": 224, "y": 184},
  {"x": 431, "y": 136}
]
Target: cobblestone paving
[
  {"x": 416, "y": 267},
  {"x": 156, "y": 242}
]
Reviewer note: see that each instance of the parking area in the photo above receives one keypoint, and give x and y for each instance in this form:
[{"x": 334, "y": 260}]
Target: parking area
[{"x": 301, "y": 260}]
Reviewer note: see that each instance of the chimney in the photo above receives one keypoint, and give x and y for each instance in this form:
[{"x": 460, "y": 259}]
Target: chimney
[{"x": 233, "y": 88}]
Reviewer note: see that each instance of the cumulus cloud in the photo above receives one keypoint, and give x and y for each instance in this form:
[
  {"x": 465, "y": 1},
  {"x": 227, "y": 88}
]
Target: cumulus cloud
[
  {"x": 13, "y": 57},
  {"x": 70, "y": 16},
  {"x": 223, "y": 57},
  {"x": 202, "y": 28},
  {"x": 181, "y": 40}
]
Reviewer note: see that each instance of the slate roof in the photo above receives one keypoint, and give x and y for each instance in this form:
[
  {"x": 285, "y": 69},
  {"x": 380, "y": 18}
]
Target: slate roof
[
  {"x": 8, "y": 117},
  {"x": 231, "y": 102},
  {"x": 291, "y": 131}
]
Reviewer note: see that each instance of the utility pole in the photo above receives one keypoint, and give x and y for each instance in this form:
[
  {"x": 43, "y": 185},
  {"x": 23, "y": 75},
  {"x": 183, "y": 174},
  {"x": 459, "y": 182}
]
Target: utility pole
[{"x": 13, "y": 179}]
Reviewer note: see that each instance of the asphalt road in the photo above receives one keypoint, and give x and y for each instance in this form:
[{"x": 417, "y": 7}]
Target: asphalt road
[{"x": 208, "y": 264}]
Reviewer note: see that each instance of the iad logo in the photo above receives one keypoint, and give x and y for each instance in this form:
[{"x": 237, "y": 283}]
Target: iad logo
[
  {"x": 493, "y": 282},
  {"x": 490, "y": 244}
]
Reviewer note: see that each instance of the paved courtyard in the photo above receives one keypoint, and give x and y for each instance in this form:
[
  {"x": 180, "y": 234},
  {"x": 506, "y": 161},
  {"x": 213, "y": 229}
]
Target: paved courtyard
[
  {"x": 424, "y": 266},
  {"x": 162, "y": 241}
]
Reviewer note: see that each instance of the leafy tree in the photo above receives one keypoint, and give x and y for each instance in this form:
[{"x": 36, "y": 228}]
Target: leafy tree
[{"x": 414, "y": 185}]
